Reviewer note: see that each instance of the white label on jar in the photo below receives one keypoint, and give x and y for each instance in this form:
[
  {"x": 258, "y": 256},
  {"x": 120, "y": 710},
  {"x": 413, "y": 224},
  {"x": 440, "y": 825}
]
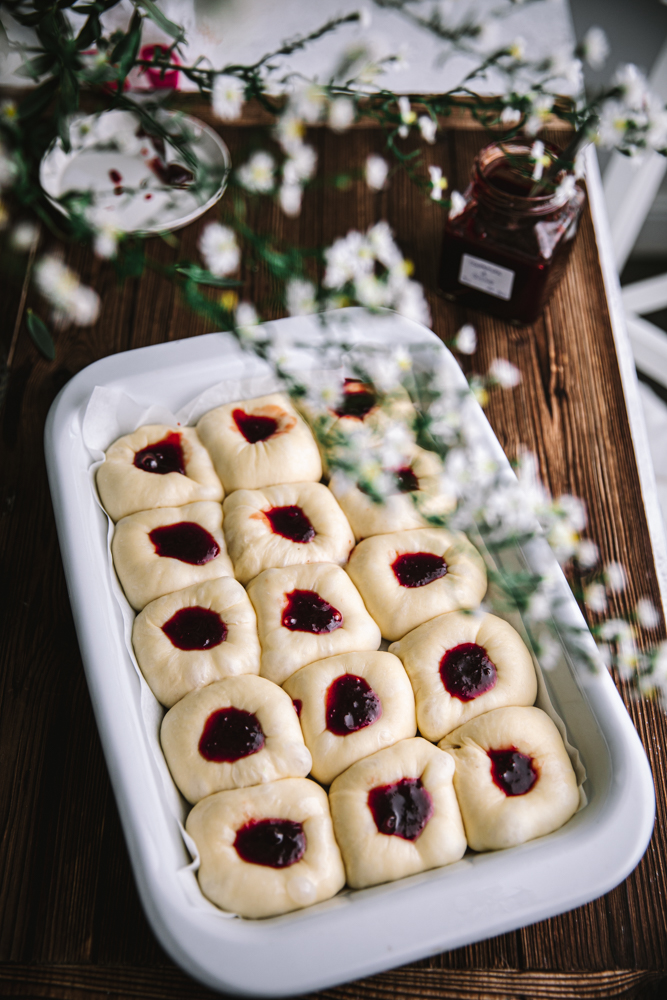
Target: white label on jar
[{"x": 489, "y": 278}]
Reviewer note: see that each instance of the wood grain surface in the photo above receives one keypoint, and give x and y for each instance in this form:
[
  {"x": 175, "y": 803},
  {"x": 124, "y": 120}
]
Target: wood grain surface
[{"x": 71, "y": 925}]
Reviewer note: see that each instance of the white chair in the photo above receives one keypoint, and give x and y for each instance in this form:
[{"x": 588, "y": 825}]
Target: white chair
[{"x": 630, "y": 190}]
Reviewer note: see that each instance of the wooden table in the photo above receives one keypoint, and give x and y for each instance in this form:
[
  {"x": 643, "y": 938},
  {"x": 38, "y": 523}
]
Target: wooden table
[{"x": 71, "y": 925}]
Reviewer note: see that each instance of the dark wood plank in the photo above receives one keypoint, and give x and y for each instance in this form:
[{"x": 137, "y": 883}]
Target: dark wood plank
[{"x": 70, "y": 920}]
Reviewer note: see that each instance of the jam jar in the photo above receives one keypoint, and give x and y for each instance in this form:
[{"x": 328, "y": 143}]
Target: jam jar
[{"x": 506, "y": 251}]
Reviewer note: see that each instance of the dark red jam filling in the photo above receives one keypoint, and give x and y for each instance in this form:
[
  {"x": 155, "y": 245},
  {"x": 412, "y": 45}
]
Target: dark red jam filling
[
  {"x": 358, "y": 400},
  {"x": 351, "y": 705},
  {"x": 298, "y": 705},
  {"x": 402, "y": 809},
  {"x": 292, "y": 523},
  {"x": 230, "y": 734},
  {"x": 276, "y": 843},
  {"x": 416, "y": 569},
  {"x": 512, "y": 771},
  {"x": 467, "y": 672},
  {"x": 254, "y": 427},
  {"x": 195, "y": 628},
  {"x": 306, "y": 611},
  {"x": 406, "y": 481},
  {"x": 186, "y": 541},
  {"x": 162, "y": 457}
]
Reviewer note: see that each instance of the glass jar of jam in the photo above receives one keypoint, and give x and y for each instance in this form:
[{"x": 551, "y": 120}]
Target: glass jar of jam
[{"x": 506, "y": 251}]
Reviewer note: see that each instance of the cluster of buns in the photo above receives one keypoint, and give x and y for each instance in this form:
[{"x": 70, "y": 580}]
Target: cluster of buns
[{"x": 262, "y": 598}]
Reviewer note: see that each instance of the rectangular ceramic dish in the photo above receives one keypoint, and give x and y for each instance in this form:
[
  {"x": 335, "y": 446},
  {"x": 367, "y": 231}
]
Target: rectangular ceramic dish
[{"x": 356, "y": 933}]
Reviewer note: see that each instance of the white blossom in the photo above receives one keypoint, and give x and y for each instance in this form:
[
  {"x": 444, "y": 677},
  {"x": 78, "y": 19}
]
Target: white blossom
[
  {"x": 613, "y": 124},
  {"x": 565, "y": 190},
  {"x": 300, "y": 164},
  {"x": 308, "y": 102},
  {"x": 72, "y": 302},
  {"x": 438, "y": 183},
  {"x": 595, "y": 47},
  {"x": 257, "y": 174},
  {"x": 428, "y": 128},
  {"x": 587, "y": 553},
  {"x": 517, "y": 48},
  {"x": 300, "y": 297},
  {"x": 348, "y": 258},
  {"x": 218, "y": 246},
  {"x": 632, "y": 84},
  {"x": 105, "y": 243},
  {"x": 227, "y": 97},
  {"x": 510, "y": 116},
  {"x": 290, "y": 131},
  {"x": 412, "y": 304},
  {"x": 23, "y": 236},
  {"x": 565, "y": 67},
  {"x": 615, "y": 577},
  {"x": 290, "y": 198},
  {"x": 540, "y": 110},
  {"x": 595, "y": 597},
  {"x": 504, "y": 373},
  {"x": 376, "y": 172},
  {"x": 246, "y": 318},
  {"x": 381, "y": 241},
  {"x": 341, "y": 113},
  {"x": 408, "y": 116},
  {"x": 647, "y": 613},
  {"x": 466, "y": 339},
  {"x": 457, "y": 204}
]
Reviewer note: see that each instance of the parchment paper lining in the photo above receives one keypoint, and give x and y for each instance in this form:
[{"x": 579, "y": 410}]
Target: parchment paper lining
[{"x": 111, "y": 413}]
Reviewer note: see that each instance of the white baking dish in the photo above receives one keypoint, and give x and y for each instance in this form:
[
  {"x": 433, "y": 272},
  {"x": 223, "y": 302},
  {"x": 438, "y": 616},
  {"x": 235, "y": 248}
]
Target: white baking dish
[{"x": 356, "y": 933}]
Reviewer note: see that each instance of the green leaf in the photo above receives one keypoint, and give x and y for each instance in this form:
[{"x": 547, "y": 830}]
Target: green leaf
[
  {"x": 40, "y": 336},
  {"x": 125, "y": 49},
  {"x": 37, "y": 100},
  {"x": 203, "y": 277},
  {"x": 90, "y": 32},
  {"x": 34, "y": 68},
  {"x": 163, "y": 22}
]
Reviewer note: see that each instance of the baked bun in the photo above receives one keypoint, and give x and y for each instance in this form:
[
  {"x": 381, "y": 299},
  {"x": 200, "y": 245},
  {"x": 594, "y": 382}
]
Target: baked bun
[
  {"x": 305, "y": 613},
  {"x": 461, "y": 665},
  {"x": 195, "y": 636},
  {"x": 284, "y": 526},
  {"x": 350, "y": 706},
  {"x": 418, "y": 492},
  {"x": 156, "y": 466},
  {"x": 395, "y": 814},
  {"x": 409, "y": 577},
  {"x": 268, "y": 849},
  {"x": 158, "y": 551},
  {"x": 260, "y": 442},
  {"x": 514, "y": 780},
  {"x": 236, "y": 732}
]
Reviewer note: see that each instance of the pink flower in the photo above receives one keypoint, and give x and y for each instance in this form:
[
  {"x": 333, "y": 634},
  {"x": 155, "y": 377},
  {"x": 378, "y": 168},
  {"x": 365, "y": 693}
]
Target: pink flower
[{"x": 159, "y": 79}]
